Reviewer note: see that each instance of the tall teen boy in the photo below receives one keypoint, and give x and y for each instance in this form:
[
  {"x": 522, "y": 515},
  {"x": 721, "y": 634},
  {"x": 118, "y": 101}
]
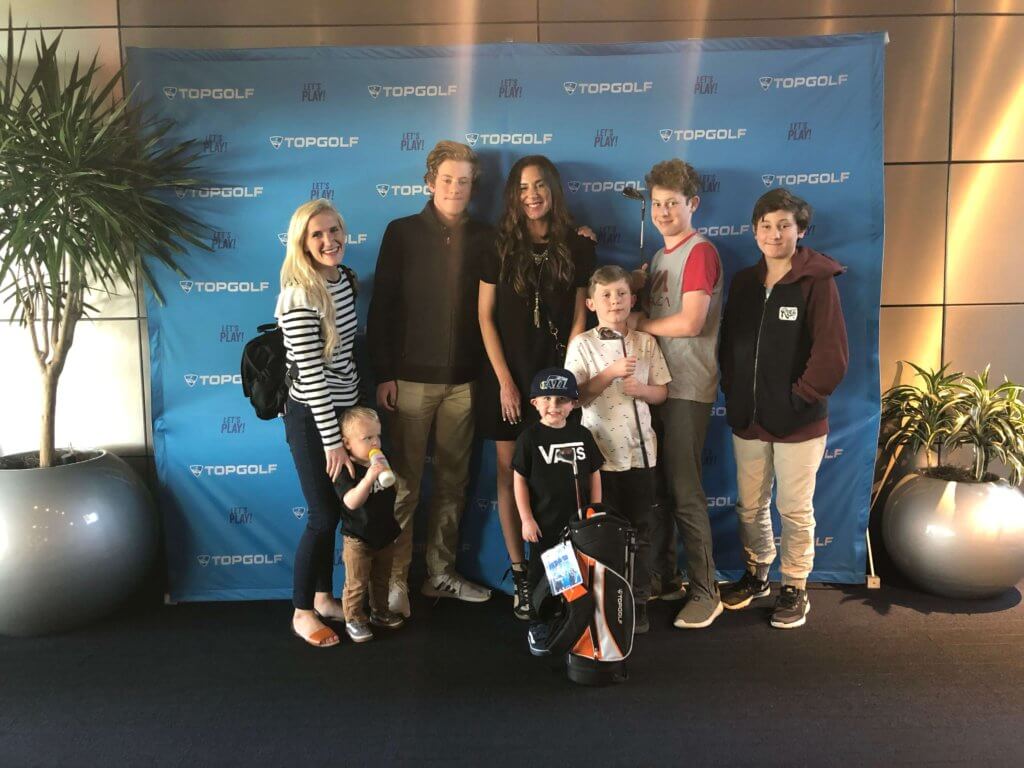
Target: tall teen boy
[
  {"x": 784, "y": 351},
  {"x": 424, "y": 344},
  {"x": 685, "y": 309}
]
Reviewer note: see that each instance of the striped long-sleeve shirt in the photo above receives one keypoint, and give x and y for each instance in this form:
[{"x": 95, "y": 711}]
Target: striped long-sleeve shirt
[{"x": 322, "y": 386}]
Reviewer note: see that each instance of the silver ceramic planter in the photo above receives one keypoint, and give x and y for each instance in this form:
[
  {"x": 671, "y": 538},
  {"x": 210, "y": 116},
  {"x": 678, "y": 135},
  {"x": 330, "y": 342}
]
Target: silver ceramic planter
[
  {"x": 963, "y": 540},
  {"x": 75, "y": 541}
]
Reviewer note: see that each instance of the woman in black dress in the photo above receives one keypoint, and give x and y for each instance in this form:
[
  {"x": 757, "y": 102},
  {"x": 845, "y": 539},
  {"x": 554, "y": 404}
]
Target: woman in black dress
[{"x": 533, "y": 289}]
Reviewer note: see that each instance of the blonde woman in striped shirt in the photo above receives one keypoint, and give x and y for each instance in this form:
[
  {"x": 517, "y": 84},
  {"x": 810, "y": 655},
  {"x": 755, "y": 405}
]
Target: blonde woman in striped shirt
[{"x": 316, "y": 311}]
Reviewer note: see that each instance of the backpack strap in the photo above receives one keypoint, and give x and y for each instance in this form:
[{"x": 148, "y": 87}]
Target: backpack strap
[{"x": 353, "y": 279}]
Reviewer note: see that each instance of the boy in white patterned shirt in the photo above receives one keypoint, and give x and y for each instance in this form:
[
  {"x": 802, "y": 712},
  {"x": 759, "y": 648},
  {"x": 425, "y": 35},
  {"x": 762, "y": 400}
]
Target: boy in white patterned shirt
[{"x": 620, "y": 373}]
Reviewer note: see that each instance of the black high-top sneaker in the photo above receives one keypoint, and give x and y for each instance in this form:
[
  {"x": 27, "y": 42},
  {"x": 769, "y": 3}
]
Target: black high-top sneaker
[{"x": 521, "y": 598}]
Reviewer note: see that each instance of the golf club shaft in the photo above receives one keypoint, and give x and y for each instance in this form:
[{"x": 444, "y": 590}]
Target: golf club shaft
[{"x": 636, "y": 413}]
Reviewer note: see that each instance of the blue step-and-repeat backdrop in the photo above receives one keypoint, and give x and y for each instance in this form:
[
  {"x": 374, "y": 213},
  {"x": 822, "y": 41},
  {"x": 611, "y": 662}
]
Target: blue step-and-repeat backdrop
[{"x": 280, "y": 126}]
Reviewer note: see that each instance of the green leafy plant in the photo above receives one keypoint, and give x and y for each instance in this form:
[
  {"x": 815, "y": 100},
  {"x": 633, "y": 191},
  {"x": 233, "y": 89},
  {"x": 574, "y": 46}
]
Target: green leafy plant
[
  {"x": 83, "y": 182},
  {"x": 948, "y": 411}
]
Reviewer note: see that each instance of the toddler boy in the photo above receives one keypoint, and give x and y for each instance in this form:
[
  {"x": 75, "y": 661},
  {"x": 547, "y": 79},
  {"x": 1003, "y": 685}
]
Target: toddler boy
[{"x": 370, "y": 528}]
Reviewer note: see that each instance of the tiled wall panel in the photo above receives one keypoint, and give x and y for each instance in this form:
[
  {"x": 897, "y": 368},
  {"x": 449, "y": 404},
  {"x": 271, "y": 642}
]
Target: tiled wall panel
[
  {"x": 278, "y": 37},
  {"x": 665, "y": 10},
  {"x": 984, "y": 262},
  {"x": 915, "y": 240},
  {"x": 977, "y": 336},
  {"x": 988, "y": 98},
  {"x": 234, "y": 13},
  {"x": 59, "y": 13},
  {"x": 908, "y": 333}
]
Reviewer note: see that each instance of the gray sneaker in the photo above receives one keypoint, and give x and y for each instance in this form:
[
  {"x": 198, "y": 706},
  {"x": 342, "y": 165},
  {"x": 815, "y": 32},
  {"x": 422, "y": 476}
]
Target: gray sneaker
[
  {"x": 453, "y": 585},
  {"x": 698, "y": 612},
  {"x": 359, "y": 631},
  {"x": 398, "y": 599},
  {"x": 387, "y": 619}
]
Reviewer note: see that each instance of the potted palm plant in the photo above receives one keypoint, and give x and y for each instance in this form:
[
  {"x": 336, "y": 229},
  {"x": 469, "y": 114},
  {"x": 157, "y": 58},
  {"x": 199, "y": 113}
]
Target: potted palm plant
[
  {"x": 84, "y": 182},
  {"x": 954, "y": 528}
]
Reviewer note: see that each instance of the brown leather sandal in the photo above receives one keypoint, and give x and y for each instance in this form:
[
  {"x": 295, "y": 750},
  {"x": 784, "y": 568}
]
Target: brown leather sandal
[{"x": 325, "y": 637}]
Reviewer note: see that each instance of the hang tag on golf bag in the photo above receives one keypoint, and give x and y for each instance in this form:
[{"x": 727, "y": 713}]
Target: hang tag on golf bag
[{"x": 561, "y": 568}]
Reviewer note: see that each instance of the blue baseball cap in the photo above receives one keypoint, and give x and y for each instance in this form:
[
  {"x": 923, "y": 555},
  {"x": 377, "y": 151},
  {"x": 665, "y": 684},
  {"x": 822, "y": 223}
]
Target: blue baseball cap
[{"x": 556, "y": 382}]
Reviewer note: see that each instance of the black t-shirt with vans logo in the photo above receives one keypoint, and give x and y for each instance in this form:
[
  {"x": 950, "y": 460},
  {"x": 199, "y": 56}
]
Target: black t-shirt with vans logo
[
  {"x": 536, "y": 458},
  {"x": 374, "y": 522}
]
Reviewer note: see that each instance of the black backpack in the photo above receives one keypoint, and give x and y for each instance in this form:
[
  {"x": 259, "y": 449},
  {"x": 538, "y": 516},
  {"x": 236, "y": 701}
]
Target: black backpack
[{"x": 266, "y": 375}]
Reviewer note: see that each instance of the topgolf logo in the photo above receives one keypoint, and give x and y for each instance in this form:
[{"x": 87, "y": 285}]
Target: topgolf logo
[
  {"x": 799, "y": 179},
  {"x": 173, "y": 92},
  {"x": 223, "y": 286},
  {"x": 404, "y": 91},
  {"x": 616, "y": 185},
  {"x": 313, "y": 142},
  {"x": 223, "y": 192},
  {"x": 771, "y": 82},
  {"x": 574, "y": 88},
  {"x": 249, "y": 559},
  {"x": 226, "y": 470},
  {"x": 515, "y": 139},
  {"x": 702, "y": 134},
  {"x": 402, "y": 190}
]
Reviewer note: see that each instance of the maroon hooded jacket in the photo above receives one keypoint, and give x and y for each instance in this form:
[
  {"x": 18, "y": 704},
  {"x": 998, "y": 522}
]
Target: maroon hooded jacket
[{"x": 783, "y": 354}]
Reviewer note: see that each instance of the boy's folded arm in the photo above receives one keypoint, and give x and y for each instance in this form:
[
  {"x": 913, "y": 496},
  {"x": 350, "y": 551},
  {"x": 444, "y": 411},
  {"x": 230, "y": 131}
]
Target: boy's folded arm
[{"x": 688, "y": 321}]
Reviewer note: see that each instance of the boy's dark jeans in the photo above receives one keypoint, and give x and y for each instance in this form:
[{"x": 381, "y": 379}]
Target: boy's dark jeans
[{"x": 631, "y": 494}]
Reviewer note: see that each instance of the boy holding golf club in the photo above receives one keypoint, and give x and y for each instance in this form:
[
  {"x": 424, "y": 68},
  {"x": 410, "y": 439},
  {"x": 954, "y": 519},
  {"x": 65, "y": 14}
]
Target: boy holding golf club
[{"x": 620, "y": 373}]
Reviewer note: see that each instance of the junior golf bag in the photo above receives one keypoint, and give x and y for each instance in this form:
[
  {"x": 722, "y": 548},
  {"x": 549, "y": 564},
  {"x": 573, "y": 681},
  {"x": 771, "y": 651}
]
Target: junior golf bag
[{"x": 591, "y": 622}]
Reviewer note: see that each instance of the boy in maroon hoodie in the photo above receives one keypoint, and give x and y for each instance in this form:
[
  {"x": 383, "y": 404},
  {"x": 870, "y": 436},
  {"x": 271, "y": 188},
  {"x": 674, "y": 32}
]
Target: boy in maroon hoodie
[{"x": 783, "y": 351}]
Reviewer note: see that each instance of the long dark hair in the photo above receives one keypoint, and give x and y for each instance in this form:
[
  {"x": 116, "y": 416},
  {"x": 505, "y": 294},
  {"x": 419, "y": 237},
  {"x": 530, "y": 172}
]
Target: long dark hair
[{"x": 515, "y": 248}]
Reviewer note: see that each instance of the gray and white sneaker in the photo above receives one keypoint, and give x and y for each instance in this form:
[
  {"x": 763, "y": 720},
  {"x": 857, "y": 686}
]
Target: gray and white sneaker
[
  {"x": 791, "y": 608},
  {"x": 454, "y": 585},
  {"x": 698, "y": 612},
  {"x": 387, "y": 619},
  {"x": 359, "y": 631},
  {"x": 398, "y": 599}
]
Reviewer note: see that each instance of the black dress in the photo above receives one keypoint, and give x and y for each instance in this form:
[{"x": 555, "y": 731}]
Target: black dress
[{"x": 528, "y": 348}]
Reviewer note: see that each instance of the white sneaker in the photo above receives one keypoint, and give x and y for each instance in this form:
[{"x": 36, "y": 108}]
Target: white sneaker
[
  {"x": 454, "y": 585},
  {"x": 398, "y": 599}
]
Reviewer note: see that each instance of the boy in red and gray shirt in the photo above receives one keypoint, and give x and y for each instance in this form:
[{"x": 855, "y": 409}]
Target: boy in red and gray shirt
[{"x": 685, "y": 308}]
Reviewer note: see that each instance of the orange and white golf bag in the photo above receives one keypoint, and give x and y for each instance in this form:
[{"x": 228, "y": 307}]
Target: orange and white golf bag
[{"x": 591, "y": 622}]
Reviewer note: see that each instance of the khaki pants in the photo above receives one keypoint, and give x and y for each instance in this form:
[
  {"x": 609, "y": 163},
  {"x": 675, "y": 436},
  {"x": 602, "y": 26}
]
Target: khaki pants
[
  {"x": 794, "y": 466},
  {"x": 449, "y": 407},
  {"x": 366, "y": 568}
]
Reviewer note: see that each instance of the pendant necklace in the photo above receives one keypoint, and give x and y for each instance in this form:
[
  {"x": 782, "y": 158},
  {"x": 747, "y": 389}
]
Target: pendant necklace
[{"x": 538, "y": 261}]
